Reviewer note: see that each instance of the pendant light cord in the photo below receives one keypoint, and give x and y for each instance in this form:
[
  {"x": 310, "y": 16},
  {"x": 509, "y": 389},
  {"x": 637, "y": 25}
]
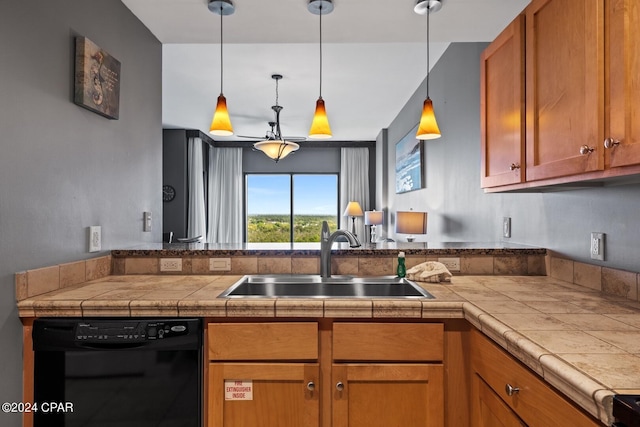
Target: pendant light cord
[
  {"x": 428, "y": 70},
  {"x": 321, "y": 51},
  {"x": 221, "y": 56}
]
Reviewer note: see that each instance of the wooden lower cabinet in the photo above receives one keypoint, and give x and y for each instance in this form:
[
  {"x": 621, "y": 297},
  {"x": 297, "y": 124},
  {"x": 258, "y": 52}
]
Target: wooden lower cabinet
[
  {"x": 489, "y": 410},
  {"x": 281, "y": 395},
  {"x": 372, "y": 395},
  {"x": 329, "y": 374},
  {"x": 529, "y": 397}
]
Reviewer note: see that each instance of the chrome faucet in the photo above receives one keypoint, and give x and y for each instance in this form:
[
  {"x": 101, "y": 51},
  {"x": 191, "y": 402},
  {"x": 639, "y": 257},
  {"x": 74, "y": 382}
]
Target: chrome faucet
[{"x": 326, "y": 240}]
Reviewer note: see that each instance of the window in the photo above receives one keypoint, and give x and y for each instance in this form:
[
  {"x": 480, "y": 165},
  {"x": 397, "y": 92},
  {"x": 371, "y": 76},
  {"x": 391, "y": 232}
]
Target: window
[{"x": 290, "y": 207}]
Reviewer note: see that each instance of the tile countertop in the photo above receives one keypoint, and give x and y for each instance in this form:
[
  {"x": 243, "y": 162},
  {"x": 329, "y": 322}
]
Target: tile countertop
[{"x": 583, "y": 342}]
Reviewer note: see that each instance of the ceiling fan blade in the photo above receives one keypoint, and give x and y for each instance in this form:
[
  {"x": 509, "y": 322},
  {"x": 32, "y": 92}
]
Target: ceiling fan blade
[{"x": 295, "y": 138}]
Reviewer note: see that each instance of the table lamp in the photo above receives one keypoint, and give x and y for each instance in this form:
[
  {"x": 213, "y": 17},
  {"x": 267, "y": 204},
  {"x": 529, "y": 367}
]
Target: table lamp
[
  {"x": 353, "y": 210},
  {"x": 373, "y": 218},
  {"x": 410, "y": 222}
]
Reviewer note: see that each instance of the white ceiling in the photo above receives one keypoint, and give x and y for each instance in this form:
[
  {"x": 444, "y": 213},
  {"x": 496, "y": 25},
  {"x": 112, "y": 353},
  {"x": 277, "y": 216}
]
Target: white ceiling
[{"x": 374, "y": 58}]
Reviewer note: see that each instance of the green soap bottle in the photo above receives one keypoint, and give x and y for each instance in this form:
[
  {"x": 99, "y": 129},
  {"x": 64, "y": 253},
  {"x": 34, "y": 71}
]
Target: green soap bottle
[{"x": 402, "y": 269}]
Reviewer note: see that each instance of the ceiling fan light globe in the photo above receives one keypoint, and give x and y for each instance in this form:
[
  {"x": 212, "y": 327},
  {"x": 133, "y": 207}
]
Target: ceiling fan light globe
[{"x": 276, "y": 150}]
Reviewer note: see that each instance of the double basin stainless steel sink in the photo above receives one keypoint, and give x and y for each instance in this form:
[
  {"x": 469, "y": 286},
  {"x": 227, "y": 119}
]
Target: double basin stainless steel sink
[{"x": 314, "y": 286}]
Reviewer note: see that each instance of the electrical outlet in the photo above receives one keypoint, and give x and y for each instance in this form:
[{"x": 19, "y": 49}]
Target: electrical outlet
[
  {"x": 95, "y": 238},
  {"x": 453, "y": 264},
  {"x": 219, "y": 264},
  {"x": 170, "y": 264},
  {"x": 506, "y": 227},
  {"x": 146, "y": 223},
  {"x": 597, "y": 246}
]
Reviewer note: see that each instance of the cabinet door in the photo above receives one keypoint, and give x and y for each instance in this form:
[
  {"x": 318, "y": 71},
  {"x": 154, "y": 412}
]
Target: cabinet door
[
  {"x": 383, "y": 395},
  {"x": 530, "y": 397},
  {"x": 623, "y": 66},
  {"x": 488, "y": 410},
  {"x": 565, "y": 87},
  {"x": 281, "y": 395},
  {"x": 502, "y": 107}
]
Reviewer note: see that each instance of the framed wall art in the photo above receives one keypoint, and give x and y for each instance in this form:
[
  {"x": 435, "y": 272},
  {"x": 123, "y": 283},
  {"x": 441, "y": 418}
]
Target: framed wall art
[
  {"x": 409, "y": 163},
  {"x": 97, "y": 79}
]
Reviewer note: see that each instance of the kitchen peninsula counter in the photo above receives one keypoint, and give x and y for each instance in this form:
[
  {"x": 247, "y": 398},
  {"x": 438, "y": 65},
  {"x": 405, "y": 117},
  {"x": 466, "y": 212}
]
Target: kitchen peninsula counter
[
  {"x": 582, "y": 342},
  {"x": 339, "y": 248}
]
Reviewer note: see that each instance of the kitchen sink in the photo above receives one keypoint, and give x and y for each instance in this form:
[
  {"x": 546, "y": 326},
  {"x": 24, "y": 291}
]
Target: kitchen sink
[{"x": 315, "y": 286}]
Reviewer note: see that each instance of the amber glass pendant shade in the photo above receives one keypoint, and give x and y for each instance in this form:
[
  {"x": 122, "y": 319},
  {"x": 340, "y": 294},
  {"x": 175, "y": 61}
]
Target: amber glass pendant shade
[
  {"x": 320, "y": 128},
  {"x": 221, "y": 123},
  {"x": 428, "y": 128}
]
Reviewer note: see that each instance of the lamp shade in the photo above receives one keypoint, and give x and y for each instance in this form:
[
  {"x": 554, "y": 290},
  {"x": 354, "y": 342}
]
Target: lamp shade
[
  {"x": 221, "y": 123},
  {"x": 373, "y": 217},
  {"x": 428, "y": 128},
  {"x": 353, "y": 209},
  {"x": 410, "y": 222},
  {"x": 320, "y": 128},
  {"x": 276, "y": 149}
]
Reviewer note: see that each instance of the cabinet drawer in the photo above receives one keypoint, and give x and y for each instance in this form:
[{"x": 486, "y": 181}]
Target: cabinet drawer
[
  {"x": 263, "y": 341},
  {"x": 536, "y": 402},
  {"x": 388, "y": 341}
]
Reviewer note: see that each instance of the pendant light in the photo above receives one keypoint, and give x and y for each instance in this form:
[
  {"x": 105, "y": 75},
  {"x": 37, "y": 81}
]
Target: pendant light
[
  {"x": 221, "y": 123},
  {"x": 320, "y": 128},
  {"x": 275, "y": 147},
  {"x": 428, "y": 128}
]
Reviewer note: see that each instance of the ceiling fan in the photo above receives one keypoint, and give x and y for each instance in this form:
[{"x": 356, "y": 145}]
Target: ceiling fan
[{"x": 273, "y": 144}]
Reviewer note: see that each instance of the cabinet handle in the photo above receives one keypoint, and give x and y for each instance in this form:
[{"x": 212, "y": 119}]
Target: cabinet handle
[
  {"x": 511, "y": 390},
  {"x": 311, "y": 386},
  {"x": 585, "y": 149},
  {"x": 339, "y": 386},
  {"x": 610, "y": 143},
  {"x": 514, "y": 166}
]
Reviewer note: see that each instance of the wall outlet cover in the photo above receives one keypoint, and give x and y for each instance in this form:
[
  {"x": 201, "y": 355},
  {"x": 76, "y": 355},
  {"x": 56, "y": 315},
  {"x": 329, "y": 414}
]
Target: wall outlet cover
[
  {"x": 95, "y": 238},
  {"x": 219, "y": 264},
  {"x": 170, "y": 264},
  {"x": 597, "y": 246},
  {"x": 506, "y": 227},
  {"x": 453, "y": 263}
]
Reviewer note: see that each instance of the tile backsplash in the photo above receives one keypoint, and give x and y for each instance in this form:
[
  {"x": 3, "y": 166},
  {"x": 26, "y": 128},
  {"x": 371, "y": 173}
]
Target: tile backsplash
[{"x": 611, "y": 281}]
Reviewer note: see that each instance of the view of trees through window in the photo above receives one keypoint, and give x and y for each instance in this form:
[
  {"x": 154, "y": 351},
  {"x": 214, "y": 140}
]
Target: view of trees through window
[{"x": 280, "y": 204}]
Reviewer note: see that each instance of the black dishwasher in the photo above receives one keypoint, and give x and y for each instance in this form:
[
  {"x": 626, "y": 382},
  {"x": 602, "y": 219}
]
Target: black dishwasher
[{"x": 124, "y": 372}]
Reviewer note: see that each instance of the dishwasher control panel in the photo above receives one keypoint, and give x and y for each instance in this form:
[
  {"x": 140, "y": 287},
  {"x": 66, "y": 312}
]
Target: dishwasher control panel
[{"x": 130, "y": 331}]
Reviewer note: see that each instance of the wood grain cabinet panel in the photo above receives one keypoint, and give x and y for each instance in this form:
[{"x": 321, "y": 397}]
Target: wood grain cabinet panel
[
  {"x": 489, "y": 410},
  {"x": 535, "y": 403},
  {"x": 263, "y": 341},
  {"x": 281, "y": 395},
  {"x": 388, "y": 341},
  {"x": 408, "y": 395},
  {"x": 502, "y": 108},
  {"x": 623, "y": 77},
  {"x": 564, "y": 87}
]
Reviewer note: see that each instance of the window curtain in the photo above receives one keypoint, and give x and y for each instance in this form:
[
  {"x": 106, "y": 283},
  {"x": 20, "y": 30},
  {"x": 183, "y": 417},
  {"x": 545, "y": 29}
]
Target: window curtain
[
  {"x": 354, "y": 186},
  {"x": 196, "y": 218},
  {"x": 225, "y": 195}
]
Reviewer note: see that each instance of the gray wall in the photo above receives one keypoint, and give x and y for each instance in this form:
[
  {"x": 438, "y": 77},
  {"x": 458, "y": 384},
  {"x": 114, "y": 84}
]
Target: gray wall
[
  {"x": 460, "y": 211},
  {"x": 64, "y": 168},
  {"x": 174, "y": 173}
]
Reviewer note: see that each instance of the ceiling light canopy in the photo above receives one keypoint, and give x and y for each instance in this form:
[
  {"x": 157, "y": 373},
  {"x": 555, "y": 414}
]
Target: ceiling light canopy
[
  {"x": 428, "y": 127},
  {"x": 320, "y": 128},
  {"x": 221, "y": 123}
]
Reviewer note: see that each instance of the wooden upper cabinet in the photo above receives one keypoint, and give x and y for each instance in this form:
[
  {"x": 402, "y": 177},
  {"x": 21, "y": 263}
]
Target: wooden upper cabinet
[
  {"x": 564, "y": 87},
  {"x": 502, "y": 107},
  {"x": 623, "y": 69}
]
